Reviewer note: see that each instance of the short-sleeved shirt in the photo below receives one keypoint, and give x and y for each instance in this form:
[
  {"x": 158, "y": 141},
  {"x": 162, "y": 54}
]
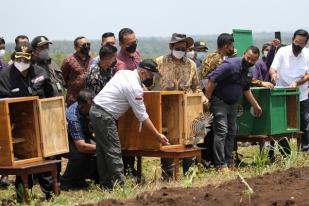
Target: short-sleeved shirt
[
  {"x": 124, "y": 90},
  {"x": 231, "y": 80},
  {"x": 210, "y": 63},
  {"x": 74, "y": 71},
  {"x": 78, "y": 128},
  {"x": 291, "y": 68},
  {"x": 97, "y": 78}
]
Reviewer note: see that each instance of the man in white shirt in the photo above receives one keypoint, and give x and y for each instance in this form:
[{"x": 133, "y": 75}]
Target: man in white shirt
[
  {"x": 124, "y": 90},
  {"x": 291, "y": 68}
]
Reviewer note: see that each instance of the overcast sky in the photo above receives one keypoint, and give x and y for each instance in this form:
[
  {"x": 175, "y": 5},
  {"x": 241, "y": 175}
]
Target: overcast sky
[{"x": 67, "y": 19}]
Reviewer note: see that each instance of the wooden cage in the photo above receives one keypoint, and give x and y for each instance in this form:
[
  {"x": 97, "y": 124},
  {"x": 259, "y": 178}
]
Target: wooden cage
[
  {"x": 171, "y": 112},
  {"x": 31, "y": 129}
]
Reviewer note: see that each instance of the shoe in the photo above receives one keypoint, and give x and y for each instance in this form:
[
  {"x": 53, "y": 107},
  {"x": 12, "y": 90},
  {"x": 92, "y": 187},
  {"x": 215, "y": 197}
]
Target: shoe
[
  {"x": 223, "y": 170},
  {"x": 4, "y": 181},
  {"x": 231, "y": 165}
]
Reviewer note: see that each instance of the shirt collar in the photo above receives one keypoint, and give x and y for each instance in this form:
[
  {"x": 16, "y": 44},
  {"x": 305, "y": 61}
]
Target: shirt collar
[{"x": 292, "y": 54}]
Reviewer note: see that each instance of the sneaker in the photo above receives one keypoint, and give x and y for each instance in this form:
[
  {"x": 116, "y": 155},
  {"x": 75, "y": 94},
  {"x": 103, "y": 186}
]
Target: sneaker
[{"x": 223, "y": 170}]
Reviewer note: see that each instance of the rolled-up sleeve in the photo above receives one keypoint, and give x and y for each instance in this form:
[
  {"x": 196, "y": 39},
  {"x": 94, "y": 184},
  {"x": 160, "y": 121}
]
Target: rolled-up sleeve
[{"x": 136, "y": 101}]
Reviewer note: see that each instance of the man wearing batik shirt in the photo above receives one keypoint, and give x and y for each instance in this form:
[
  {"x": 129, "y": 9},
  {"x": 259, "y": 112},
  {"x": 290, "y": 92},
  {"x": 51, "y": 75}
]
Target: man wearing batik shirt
[
  {"x": 178, "y": 74},
  {"x": 225, "y": 48},
  {"x": 75, "y": 68},
  {"x": 128, "y": 55},
  {"x": 101, "y": 72}
]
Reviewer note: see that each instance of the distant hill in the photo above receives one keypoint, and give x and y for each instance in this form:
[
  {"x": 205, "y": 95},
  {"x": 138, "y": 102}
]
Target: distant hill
[{"x": 152, "y": 47}]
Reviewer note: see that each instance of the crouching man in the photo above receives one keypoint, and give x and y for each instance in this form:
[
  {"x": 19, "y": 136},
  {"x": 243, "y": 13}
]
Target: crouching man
[
  {"x": 82, "y": 163},
  {"x": 124, "y": 90}
]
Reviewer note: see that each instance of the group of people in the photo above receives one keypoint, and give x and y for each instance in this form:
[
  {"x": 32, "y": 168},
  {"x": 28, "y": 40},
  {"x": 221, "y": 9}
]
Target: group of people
[{"x": 101, "y": 89}]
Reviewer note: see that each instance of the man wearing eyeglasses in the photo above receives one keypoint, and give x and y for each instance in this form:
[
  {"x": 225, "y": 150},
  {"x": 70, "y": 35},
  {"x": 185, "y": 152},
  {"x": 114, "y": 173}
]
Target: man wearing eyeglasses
[
  {"x": 178, "y": 74},
  {"x": 128, "y": 55},
  {"x": 75, "y": 68}
]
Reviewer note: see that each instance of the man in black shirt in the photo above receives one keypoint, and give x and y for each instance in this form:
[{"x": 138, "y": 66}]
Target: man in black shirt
[
  {"x": 24, "y": 79},
  {"x": 41, "y": 57}
]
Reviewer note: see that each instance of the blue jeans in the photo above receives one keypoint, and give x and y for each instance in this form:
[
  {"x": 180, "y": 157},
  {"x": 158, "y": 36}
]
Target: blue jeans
[{"x": 224, "y": 129}]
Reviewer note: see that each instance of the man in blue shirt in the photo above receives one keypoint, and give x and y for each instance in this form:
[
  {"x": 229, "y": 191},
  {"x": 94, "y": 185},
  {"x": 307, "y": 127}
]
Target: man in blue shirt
[
  {"x": 82, "y": 161},
  {"x": 225, "y": 86}
]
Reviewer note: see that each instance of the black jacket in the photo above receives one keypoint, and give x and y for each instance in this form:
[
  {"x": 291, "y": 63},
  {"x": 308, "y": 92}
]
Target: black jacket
[{"x": 14, "y": 84}]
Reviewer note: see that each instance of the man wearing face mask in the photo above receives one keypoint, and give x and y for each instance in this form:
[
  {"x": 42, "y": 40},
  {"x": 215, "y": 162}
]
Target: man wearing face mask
[
  {"x": 128, "y": 55},
  {"x": 124, "y": 90},
  {"x": 41, "y": 57},
  {"x": 100, "y": 73},
  {"x": 75, "y": 68},
  {"x": 197, "y": 53},
  {"x": 291, "y": 68},
  {"x": 128, "y": 58},
  {"x": 108, "y": 38},
  {"x": 225, "y": 49},
  {"x": 178, "y": 74},
  {"x": 2, "y": 53},
  {"x": 225, "y": 86},
  {"x": 22, "y": 79}
]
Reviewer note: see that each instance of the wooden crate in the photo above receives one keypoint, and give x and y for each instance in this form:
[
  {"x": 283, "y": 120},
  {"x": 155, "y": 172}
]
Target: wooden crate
[
  {"x": 171, "y": 112},
  {"x": 31, "y": 129}
]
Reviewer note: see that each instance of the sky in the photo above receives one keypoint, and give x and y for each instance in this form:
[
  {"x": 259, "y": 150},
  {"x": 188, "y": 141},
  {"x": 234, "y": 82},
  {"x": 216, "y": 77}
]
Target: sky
[{"x": 67, "y": 19}]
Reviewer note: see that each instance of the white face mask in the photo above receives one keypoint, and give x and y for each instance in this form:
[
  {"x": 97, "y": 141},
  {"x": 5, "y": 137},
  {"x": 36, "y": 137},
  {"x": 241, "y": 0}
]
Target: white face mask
[
  {"x": 265, "y": 53},
  {"x": 21, "y": 66},
  {"x": 178, "y": 54},
  {"x": 2, "y": 53},
  {"x": 190, "y": 54}
]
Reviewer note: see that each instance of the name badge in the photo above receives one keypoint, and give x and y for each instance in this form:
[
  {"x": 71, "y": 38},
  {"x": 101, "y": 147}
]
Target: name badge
[
  {"x": 38, "y": 79},
  {"x": 15, "y": 90}
]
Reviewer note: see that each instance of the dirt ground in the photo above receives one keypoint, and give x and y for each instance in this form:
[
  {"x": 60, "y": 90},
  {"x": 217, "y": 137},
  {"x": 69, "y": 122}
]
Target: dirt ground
[{"x": 290, "y": 187}]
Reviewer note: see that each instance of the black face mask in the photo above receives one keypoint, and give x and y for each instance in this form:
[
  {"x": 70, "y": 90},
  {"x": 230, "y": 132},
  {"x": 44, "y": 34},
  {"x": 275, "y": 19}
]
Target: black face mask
[
  {"x": 246, "y": 64},
  {"x": 85, "y": 49},
  {"x": 113, "y": 64},
  {"x": 296, "y": 48},
  {"x": 148, "y": 82},
  {"x": 131, "y": 48}
]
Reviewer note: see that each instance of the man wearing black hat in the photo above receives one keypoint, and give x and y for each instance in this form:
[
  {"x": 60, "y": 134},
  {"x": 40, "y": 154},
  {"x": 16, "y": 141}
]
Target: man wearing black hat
[
  {"x": 21, "y": 79},
  {"x": 24, "y": 79},
  {"x": 178, "y": 74},
  {"x": 124, "y": 90},
  {"x": 41, "y": 57}
]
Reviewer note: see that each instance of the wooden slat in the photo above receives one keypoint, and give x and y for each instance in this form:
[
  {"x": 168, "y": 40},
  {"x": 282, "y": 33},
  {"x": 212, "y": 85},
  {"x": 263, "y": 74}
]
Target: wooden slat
[
  {"x": 193, "y": 107},
  {"x": 53, "y": 126},
  {"x": 6, "y": 149}
]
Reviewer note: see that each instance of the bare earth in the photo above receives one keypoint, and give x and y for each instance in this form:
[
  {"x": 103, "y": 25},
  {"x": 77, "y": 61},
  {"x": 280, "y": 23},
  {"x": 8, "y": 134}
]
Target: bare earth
[{"x": 290, "y": 187}]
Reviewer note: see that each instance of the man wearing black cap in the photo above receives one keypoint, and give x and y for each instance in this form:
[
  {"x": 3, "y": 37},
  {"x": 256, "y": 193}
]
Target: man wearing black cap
[
  {"x": 21, "y": 79},
  {"x": 197, "y": 53},
  {"x": 41, "y": 57},
  {"x": 124, "y": 90},
  {"x": 178, "y": 74},
  {"x": 24, "y": 79}
]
